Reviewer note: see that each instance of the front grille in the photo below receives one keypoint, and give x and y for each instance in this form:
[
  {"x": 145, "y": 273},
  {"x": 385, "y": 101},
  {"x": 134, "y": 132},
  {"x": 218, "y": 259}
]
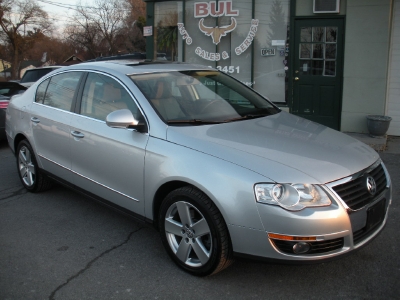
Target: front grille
[
  {"x": 316, "y": 247},
  {"x": 355, "y": 193}
]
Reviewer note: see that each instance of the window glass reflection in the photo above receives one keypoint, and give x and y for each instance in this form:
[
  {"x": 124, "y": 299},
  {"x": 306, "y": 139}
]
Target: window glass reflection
[
  {"x": 317, "y": 67},
  {"x": 318, "y": 51},
  {"x": 305, "y": 50},
  {"x": 330, "y": 51},
  {"x": 331, "y": 33},
  {"x": 318, "y": 34},
  {"x": 61, "y": 90},
  {"x": 305, "y": 34},
  {"x": 167, "y": 17},
  {"x": 330, "y": 68}
]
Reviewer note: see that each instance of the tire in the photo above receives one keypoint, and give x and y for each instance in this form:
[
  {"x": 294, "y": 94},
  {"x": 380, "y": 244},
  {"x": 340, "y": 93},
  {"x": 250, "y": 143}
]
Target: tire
[
  {"x": 194, "y": 232},
  {"x": 29, "y": 173}
]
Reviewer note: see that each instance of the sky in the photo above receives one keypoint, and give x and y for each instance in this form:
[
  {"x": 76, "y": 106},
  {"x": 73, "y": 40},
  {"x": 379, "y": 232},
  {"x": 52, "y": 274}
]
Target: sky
[{"x": 60, "y": 10}]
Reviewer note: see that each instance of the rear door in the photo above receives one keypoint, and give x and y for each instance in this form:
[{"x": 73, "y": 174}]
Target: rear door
[
  {"x": 50, "y": 119},
  {"x": 108, "y": 162}
]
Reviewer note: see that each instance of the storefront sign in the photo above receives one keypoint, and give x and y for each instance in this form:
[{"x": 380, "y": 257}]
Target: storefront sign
[
  {"x": 218, "y": 9},
  {"x": 184, "y": 33},
  {"x": 217, "y": 32},
  {"x": 249, "y": 39},
  {"x": 204, "y": 9},
  {"x": 267, "y": 51},
  {"x": 147, "y": 30}
]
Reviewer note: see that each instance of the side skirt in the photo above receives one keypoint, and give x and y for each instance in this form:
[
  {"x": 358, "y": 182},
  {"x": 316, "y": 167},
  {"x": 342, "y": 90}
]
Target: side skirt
[{"x": 100, "y": 200}]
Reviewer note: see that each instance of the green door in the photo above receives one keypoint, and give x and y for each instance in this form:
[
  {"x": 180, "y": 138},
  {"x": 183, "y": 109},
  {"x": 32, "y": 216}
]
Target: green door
[{"x": 318, "y": 70}]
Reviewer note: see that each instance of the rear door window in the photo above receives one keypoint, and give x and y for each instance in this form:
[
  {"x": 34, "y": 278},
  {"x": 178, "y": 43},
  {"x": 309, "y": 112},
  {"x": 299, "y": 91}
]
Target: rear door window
[{"x": 60, "y": 91}]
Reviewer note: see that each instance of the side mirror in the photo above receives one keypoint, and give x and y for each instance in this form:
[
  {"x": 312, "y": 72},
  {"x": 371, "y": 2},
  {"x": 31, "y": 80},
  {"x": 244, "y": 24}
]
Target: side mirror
[{"x": 123, "y": 118}]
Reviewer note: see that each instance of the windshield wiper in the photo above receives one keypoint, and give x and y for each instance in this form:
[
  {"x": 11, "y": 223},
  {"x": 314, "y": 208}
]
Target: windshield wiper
[
  {"x": 194, "y": 122},
  {"x": 246, "y": 117}
]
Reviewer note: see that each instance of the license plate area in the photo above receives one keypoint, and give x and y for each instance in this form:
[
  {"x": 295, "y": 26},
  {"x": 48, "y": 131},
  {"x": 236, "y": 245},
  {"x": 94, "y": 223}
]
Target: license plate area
[{"x": 376, "y": 214}]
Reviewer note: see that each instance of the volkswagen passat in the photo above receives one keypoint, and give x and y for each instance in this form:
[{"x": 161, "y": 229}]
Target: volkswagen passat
[{"x": 217, "y": 168}]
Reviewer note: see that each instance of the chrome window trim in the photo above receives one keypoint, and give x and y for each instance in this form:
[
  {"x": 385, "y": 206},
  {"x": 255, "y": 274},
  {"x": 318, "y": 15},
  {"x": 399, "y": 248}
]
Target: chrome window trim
[
  {"x": 98, "y": 72},
  {"x": 52, "y": 107},
  {"x": 98, "y": 183}
]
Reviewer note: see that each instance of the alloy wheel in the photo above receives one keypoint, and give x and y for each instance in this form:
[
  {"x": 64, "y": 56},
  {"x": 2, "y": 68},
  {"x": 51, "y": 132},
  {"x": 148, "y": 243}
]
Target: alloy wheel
[
  {"x": 188, "y": 234},
  {"x": 26, "y": 166}
]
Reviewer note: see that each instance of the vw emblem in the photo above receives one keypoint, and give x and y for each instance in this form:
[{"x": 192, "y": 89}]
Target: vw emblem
[{"x": 371, "y": 185}]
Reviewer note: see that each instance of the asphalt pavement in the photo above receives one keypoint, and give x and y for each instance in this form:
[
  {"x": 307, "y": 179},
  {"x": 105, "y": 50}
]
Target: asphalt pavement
[{"x": 61, "y": 245}]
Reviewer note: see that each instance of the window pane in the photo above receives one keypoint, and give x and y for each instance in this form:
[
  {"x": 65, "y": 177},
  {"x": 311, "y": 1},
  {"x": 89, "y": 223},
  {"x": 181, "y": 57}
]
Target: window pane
[
  {"x": 167, "y": 16},
  {"x": 331, "y": 33},
  {"x": 330, "y": 51},
  {"x": 61, "y": 90},
  {"x": 41, "y": 90},
  {"x": 305, "y": 50},
  {"x": 103, "y": 95},
  {"x": 318, "y": 51},
  {"x": 330, "y": 68},
  {"x": 317, "y": 67},
  {"x": 318, "y": 34},
  {"x": 305, "y": 34}
]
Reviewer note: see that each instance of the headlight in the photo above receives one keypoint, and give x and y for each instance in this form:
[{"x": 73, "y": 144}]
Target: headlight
[{"x": 293, "y": 197}]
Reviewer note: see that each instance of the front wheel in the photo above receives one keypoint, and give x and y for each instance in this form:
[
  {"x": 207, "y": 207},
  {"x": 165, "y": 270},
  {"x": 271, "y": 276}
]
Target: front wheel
[
  {"x": 29, "y": 173},
  {"x": 194, "y": 233}
]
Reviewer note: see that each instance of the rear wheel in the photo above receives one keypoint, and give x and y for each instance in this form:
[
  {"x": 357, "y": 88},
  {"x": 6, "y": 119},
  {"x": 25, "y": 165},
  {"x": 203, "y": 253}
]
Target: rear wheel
[
  {"x": 194, "y": 233},
  {"x": 29, "y": 173}
]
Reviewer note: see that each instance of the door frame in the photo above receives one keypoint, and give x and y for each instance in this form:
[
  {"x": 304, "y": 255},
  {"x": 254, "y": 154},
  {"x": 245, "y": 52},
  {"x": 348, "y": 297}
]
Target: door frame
[{"x": 292, "y": 27}]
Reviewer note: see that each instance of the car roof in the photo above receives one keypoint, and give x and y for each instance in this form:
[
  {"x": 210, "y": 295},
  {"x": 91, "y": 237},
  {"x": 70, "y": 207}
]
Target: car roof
[{"x": 131, "y": 67}]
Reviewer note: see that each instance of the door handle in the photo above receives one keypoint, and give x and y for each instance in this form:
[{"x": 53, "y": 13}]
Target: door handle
[
  {"x": 296, "y": 78},
  {"x": 77, "y": 134},
  {"x": 35, "y": 120}
]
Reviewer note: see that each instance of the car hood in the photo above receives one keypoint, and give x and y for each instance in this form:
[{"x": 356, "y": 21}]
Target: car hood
[{"x": 282, "y": 147}]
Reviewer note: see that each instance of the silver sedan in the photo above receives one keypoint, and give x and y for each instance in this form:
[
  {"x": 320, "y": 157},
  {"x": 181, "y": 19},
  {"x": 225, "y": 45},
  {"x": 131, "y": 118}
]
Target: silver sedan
[{"x": 218, "y": 169}]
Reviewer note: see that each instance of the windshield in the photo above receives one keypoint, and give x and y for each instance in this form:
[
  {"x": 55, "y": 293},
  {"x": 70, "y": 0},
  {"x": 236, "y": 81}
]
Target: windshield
[{"x": 201, "y": 97}]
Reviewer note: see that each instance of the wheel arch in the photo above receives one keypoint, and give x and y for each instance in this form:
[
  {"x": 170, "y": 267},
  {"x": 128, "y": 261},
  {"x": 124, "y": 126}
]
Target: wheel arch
[
  {"x": 160, "y": 195},
  {"x": 18, "y": 138},
  {"x": 168, "y": 187}
]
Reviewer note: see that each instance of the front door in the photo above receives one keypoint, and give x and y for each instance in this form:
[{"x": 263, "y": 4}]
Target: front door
[
  {"x": 318, "y": 70},
  {"x": 107, "y": 162}
]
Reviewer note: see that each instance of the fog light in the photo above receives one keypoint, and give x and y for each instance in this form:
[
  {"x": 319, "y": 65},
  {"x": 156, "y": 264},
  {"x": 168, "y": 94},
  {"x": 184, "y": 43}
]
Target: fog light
[{"x": 301, "y": 248}]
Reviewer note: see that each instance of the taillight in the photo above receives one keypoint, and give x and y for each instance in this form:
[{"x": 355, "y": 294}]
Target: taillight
[{"x": 3, "y": 104}]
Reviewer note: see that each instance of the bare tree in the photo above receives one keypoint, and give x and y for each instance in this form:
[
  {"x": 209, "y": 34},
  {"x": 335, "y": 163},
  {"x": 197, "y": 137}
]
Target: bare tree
[
  {"x": 102, "y": 20},
  {"x": 17, "y": 17},
  {"x": 56, "y": 49},
  {"x": 84, "y": 34},
  {"x": 108, "y": 27}
]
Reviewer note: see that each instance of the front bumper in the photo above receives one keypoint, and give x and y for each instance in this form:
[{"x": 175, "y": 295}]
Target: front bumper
[{"x": 335, "y": 230}]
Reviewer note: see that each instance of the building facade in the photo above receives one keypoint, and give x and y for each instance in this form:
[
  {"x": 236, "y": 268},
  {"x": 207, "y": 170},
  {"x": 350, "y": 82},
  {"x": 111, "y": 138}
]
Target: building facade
[{"x": 330, "y": 61}]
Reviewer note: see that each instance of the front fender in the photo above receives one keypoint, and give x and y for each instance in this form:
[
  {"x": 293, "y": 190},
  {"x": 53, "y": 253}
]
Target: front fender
[{"x": 228, "y": 185}]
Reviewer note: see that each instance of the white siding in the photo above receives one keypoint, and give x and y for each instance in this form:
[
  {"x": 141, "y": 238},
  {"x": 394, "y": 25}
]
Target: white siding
[{"x": 393, "y": 94}]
